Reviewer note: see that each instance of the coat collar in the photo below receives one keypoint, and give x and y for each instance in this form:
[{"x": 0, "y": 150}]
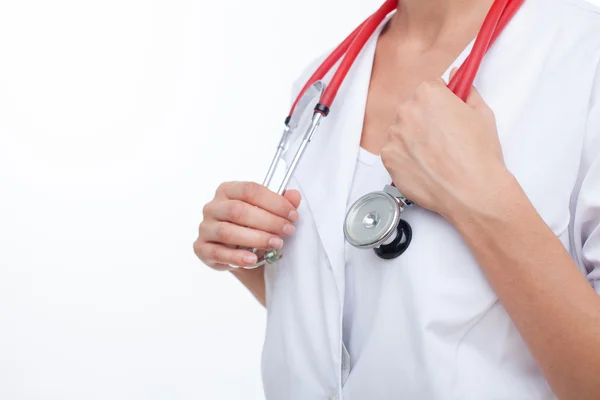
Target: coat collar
[{"x": 326, "y": 170}]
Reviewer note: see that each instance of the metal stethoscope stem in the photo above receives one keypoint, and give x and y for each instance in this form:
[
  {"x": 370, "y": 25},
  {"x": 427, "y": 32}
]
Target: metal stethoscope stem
[
  {"x": 310, "y": 97},
  {"x": 273, "y": 255}
]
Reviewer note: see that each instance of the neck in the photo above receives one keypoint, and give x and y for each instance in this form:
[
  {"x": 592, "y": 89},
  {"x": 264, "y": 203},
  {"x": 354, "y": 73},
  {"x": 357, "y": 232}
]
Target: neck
[{"x": 428, "y": 21}]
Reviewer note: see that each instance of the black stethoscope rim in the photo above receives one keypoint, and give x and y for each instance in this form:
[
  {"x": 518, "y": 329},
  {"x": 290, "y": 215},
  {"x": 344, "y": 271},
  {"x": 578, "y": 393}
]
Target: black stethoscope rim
[{"x": 399, "y": 245}]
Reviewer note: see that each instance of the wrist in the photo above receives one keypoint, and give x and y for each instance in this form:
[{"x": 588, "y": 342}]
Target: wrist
[
  {"x": 254, "y": 280},
  {"x": 491, "y": 200}
]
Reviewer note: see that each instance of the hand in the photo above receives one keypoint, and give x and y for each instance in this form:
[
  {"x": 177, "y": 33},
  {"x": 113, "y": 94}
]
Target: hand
[
  {"x": 244, "y": 214},
  {"x": 442, "y": 153}
]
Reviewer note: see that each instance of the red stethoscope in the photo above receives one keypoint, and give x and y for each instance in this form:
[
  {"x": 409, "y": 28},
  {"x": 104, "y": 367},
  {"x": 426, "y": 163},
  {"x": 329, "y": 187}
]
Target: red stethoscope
[{"x": 374, "y": 221}]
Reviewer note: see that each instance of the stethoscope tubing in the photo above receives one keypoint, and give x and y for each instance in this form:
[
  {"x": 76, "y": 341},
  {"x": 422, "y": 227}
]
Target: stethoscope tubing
[
  {"x": 500, "y": 14},
  {"x": 355, "y": 48}
]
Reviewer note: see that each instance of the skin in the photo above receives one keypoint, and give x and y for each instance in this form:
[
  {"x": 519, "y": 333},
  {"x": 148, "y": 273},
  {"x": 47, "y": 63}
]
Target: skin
[
  {"x": 445, "y": 156},
  {"x": 249, "y": 215},
  {"x": 451, "y": 150}
]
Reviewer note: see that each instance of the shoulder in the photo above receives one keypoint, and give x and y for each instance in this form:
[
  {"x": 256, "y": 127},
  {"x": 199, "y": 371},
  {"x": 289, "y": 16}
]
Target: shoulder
[
  {"x": 567, "y": 35},
  {"x": 309, "y": 69},
  {"x": 558, "y": 24},
  {"x": 583, "y": 8},
  {"x": 577, "y": 17}
]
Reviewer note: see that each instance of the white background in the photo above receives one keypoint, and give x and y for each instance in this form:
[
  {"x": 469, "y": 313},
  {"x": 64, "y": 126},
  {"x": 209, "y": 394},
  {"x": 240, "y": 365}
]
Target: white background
[{"x": 118, "y": 118}]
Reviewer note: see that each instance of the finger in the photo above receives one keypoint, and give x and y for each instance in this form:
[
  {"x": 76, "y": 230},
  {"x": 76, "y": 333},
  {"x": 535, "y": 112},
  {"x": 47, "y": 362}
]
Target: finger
[
  {"x": 260, "y": 196},
  {"x": 475, "y": 100},
  {"x": 293, "y": 196},
  {"x": 430, "y": 91},
  {"x": 228, "y": 233},
  {"x": 244, "y": 214},
  {"x": 214, "y": 253}
]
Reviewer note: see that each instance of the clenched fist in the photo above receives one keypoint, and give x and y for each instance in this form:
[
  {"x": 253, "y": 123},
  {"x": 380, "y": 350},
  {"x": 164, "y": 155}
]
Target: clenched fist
[{"x": 444, "y": 154}]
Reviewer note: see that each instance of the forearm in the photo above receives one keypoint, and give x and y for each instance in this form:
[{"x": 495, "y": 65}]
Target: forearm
[
  {"x": 254, "y": 280},
  {"x": 551, "y": 303}
]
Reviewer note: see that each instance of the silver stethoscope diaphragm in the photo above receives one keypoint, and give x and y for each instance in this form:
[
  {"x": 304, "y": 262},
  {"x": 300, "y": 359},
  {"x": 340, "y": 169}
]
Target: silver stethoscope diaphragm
[{"x": 374, "y": 222}]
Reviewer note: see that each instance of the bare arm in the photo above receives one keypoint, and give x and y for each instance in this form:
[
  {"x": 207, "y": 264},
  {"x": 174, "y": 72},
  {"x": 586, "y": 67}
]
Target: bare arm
[
  {"x": 245, "y": 215},
  {"x": 445, "y": 156},
  {"x": 553, "y": 306},
  {"x": 254, "y": 280}
]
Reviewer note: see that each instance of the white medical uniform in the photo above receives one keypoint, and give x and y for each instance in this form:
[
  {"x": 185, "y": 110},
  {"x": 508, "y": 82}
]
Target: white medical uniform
[{"x": 427, "y": 325}]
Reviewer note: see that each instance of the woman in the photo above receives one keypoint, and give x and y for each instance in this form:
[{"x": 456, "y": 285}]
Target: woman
[{"x": 496, "y": 297}]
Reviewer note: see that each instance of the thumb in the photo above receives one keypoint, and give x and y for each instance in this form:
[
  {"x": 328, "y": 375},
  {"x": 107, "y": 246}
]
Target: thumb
[{"x": 475, "y": 100}]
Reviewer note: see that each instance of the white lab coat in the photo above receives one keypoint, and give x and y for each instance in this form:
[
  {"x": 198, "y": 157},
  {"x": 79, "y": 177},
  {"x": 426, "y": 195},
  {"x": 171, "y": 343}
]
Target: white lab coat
[{"x": 440, "y": 332}]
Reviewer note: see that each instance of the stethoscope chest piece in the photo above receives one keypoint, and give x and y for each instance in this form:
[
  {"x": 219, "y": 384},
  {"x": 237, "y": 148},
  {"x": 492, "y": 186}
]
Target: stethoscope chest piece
[
  {"x": 371, "y": 220},
  {"x": 374, "y": 222}
]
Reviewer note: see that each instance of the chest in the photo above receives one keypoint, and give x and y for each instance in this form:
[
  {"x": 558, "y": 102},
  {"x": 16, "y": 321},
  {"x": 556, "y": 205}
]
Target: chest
[{"x": 396, "y": 74}]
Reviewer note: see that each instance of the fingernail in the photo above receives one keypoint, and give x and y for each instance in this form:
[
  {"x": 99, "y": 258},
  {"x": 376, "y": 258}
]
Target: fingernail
[
  {"x": 293, "y": 216},
  {"x": 275, "y": 243},
  {"x": 234, "y": 266},
  {"x": 250, "y": 259},
  {"x": 289, "y": 229}
]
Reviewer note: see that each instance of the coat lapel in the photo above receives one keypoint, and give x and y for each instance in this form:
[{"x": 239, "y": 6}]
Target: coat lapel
[{"x": 326, "y": 170}]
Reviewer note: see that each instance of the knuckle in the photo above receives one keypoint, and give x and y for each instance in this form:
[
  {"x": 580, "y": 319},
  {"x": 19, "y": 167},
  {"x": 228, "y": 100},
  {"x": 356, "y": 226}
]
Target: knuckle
[
  {"x": 201, "y": 229},
  {"x": 433, "y": 84},
  {"x": 215, "y": 254},
  {"x": 222, "y": 233},
  {"x": 394, "y": 135},
  {"x": 203, "y": 252},
  {"x": 206, "y": 210},
  {"x": 235, "y": 210},
  {"x": 250, "y": 190},
  {"x": 393, "y": 131},
  {"x": 198, "y": 248},
  {"x": 425, "y": 89},
  {"x": 222, "y": 188},
  {"x": 384, "y": 152},
  {"x": 386, "y": 155},
  {"x": 402, "y": 113},
  {"x": 386, "y": 162}
]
